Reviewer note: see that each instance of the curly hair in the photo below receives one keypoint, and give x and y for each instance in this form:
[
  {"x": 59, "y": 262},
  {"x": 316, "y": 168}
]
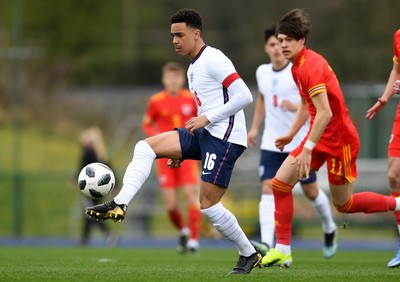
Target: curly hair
[
  {"x": 295, "y": 24},
  {"x": 189, "y": 16}
]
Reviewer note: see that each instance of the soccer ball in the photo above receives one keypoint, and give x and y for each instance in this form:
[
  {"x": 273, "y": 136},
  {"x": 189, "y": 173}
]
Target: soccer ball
[{"x": 96, "y": 180}]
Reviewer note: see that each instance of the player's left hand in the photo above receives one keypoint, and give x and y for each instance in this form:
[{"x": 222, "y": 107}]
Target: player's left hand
[
  {"x": 174, "y": 163},
  {"x": 195, "y": 123}
]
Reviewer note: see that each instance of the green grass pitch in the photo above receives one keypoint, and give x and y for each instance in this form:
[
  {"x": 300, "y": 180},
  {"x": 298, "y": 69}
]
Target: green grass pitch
[{"x": 151, "y": 264}]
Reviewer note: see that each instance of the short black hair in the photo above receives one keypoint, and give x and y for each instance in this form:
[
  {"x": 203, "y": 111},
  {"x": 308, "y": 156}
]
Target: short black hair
[
  {"x": 295, "y": 24},
  {"x": 269, "y": 31},
  {"x": 191, "y": 17}
]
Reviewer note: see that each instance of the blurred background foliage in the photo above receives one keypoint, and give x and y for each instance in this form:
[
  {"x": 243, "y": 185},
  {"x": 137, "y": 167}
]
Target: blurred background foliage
[
  {"x": 125, "y": 41},
  {"x": 97, "y": 43}
]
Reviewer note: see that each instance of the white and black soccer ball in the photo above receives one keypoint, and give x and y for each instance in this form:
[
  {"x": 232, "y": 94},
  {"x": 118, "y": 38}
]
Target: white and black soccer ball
[{"x": 96, "y": 180}]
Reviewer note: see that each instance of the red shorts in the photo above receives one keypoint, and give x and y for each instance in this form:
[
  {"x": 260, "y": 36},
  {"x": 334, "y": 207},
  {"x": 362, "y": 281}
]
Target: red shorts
[
  {"x": 341, "y": 163},
  {"x": 168, "y": 177},
  {"x": 394, "y": 141}
]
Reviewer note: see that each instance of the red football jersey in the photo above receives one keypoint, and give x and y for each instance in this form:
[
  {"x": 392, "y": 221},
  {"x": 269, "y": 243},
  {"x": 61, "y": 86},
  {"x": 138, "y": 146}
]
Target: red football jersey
[
  {"x": 166, "y": 112},
  {"x": 394, "y": 142},
  {"x": 313, "y": 75},
  {"x": 396, "y": 47}
]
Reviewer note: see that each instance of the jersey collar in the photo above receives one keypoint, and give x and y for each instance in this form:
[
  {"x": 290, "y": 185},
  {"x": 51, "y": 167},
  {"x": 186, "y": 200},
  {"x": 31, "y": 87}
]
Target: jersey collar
[
  {"x": 199, "y": 54},
  {"x": 300, "y": 57}
]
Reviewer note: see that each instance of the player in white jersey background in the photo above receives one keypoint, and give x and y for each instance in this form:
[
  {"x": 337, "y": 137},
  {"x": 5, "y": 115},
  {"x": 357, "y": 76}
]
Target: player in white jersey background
[
  {"x": 276, "y": 106},
  {"x": 217, "y": 137}
]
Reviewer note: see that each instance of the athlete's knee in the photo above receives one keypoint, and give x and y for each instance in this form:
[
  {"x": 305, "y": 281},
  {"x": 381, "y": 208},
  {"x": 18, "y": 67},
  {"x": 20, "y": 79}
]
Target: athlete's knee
[
  {"x": 205, "y": 204},
  {"x": 207, "y": 201},
  {"x": 310, "y": 190},
  {"x": 171, "y": 206},
  {"x": 280, "y": 186},
  {"x": 266, "y": 187},
  {"x": 142, "y": 147},
  {"x": 344, "y": 208},
  {"x": 210, "y": 194}
]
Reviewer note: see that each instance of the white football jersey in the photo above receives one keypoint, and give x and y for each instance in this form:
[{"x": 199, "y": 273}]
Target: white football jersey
[
  {"x": 216, "y": 87},
  {"x": 276, "y": 86}
]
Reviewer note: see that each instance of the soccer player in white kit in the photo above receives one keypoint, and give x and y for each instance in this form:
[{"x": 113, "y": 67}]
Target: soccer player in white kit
[
  {"x": 276, "y": 105},
  {"x": 217, "y": 137}
]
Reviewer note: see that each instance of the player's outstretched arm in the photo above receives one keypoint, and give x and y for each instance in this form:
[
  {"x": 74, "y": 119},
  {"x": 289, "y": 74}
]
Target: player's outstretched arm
[
  {"x": 258, "y": 117},
  {"x": 387, "y": 94}
]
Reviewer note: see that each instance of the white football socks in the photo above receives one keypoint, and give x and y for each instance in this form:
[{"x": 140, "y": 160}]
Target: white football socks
[
  {"x": 323, "y": 208},
  {"x": 397, "y": 208},
  {"x": 267, "y": 219},
  {"x": 136, "y": 173},
  {"x": 284, "y": 249},
  {"x": 226, "y": 223}
]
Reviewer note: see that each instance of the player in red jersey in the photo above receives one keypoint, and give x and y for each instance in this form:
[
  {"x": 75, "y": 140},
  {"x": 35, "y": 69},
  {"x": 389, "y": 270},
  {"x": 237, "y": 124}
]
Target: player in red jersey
[
  {"x": 332, "y": 138},
  {"x": 167, "y": 110},
  {"x": 394, "y": 141}
]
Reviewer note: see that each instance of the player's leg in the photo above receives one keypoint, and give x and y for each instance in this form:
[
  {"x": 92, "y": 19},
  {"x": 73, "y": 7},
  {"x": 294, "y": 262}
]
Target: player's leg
[
  {"x": 168, "y": 180},
  {"x": 394, "y": 177},
  {"x": 188, "y": 175},
  {"x": 342, "y": 171},
  {"x": 170, "y": 196},
  {"x": 282, "y": 185},
  {"x": 218, "y": 160},
  {"x": 227, "y": 225},
  {"x": 322, "y": 207},
  {"x": 367, "y": 202},
  {"x": 269, "y": 165},
  {"x": 222, "y": 219},
  {"x": 164, "y": 145},
  {"x": 88, "y": 223},
  {"x": 193, "y": 215},
  {"x": 394, "y": 182},
  {"x": 266, "y": 210},
  {"x": 86, "y": 230}
]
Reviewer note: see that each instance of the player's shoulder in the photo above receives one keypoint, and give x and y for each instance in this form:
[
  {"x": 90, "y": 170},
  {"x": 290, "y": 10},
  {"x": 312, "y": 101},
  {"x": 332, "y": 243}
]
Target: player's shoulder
[
  {"x": 313, "y": 59},
  {"x": 157, "y": 97},
  {"x": 312, "y": 55},
  {"x": 264, "y": 68},
  {"x": 186, "y": 93},
  {"x": 396, "y": 46},
  {"x": 212, "y": 50},
  {"x": 397, "y": 35},
  {"x": 213, "y": 54}
]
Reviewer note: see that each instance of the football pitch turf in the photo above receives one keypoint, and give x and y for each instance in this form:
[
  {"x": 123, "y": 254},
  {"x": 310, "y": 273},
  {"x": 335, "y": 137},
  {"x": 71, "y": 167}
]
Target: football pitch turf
[{"x": 164, "y": 264}]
